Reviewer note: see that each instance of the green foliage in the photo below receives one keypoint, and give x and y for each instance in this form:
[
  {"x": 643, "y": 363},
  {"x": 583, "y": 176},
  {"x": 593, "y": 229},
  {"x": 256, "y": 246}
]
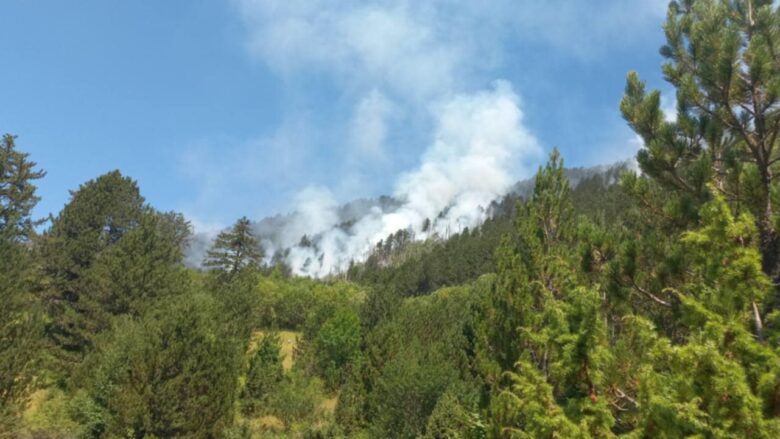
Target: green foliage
[
  {"x": 336, "y": 346},
  {"x": 455, "y": 417},
  {"x": 406, "y": 392},
  {"x": 550, "y": 211},
  {"x": 20, "y": 331},
  {"x": 647, "y": 308},
  {"x": 646, "y": 325},
  {"x": 166, "y": 376},
  {"x": 600, "y": 198},
  {"x": 296, "y": 398},
  {"x": 235, "y": 249},
  {"x": 239, "y": 303},
  {"x": 728, "y": 265},
  {"x": 141, "y": 267},
  {"x": 301, "y": 303},
  {"x": 98, "y": 215},
  {"x": 54, "y": 417},
  {"x": 90, "y": 416},
  {"x": 694, "y": 390},
  {"x": 721, "y": 62},
  {"x": 533, "y": 276},
  {"x": 352, "y": 405},
  {"x": 20, "y": 319},
  {"x": 411, "y": 359},
  {"x": 417, "y": 268},
  {"x": 17, "y": 191},
  {"x": 265, "y": 372},
  {"x": 527, "y": 408},
  {"x": 380, "y": 305}
]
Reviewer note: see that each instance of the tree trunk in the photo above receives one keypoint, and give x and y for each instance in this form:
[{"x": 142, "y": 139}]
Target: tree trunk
[{"x": 770, "y": 244}]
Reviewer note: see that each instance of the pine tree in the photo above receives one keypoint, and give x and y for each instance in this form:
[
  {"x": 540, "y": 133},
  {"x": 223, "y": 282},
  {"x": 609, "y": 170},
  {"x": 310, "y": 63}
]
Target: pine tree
[
  {"x": 169, "y": 374},
  {"x": 550, "y": 207},
  {"x": 541, "y": 325},
  {"x": 20, "y": 322},
  {"x": 727, "y": 264},
  {"x": 235, "y": 249},
  {"x": 336, "y": 346},
  {"x": 240, "y": 301},
  {"x": 17, "y": 191},
  {"x": 722, "y": 59},
  {"x": 142, "y": 267},
  {"x": 97, "y": 216},
  {"x": 20, "y": 332},
  {"x": 527, "y": 409},
  {"x": 533, "y": 272},
  {"x": 265, "y": 372}
]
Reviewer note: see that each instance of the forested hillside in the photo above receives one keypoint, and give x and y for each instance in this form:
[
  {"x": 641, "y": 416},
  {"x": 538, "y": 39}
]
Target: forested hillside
[
  {"x": 413, "y": 268},
  {"x": 632, "y": 304}
]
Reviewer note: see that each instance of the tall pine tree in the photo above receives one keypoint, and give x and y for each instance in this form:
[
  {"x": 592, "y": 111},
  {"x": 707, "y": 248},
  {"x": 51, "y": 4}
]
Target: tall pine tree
[
  {"x": 17, "y": 191},
  {"x": 235, "y": 249},
  {"x": 97, "y": 216},
  {"x": 20, "y": 323},
  {"x": 723, "y": 60}
]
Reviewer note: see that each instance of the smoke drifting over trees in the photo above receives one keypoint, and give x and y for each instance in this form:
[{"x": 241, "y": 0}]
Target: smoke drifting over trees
[
  {"x": 479, "y": 149},
  {"x": 478, "y": 141}
]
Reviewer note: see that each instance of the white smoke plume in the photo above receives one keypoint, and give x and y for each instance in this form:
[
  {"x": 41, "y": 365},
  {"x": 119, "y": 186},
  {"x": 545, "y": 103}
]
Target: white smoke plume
[{"x": 479, "y": 149}]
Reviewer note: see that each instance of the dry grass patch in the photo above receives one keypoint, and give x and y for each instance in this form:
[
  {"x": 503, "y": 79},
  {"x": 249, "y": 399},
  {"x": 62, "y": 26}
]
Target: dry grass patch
[{"x": 289, "y": 340}]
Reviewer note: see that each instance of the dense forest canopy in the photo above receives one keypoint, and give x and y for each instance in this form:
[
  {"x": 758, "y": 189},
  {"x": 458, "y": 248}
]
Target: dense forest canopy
[{"x": 636, "y": 304}]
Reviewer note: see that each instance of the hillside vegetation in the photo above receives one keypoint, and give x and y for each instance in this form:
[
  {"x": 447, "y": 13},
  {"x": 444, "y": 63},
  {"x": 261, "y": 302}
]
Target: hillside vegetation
[{"x": 636, "y": 304}]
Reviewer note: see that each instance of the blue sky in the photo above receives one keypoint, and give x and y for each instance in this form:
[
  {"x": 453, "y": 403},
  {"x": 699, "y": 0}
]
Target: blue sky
[{"x": 227, "y": 108}]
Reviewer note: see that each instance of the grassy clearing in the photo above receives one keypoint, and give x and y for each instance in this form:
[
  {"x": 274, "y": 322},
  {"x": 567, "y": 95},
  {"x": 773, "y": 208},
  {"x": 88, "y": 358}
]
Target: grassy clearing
[
  {"x": 289, "y": 341},
  {"x": 328, "y": 406},
  {"x": 48, "y": 410},
  {"x": 266, "y": 425},
  {"x": 34, "y": 404}
]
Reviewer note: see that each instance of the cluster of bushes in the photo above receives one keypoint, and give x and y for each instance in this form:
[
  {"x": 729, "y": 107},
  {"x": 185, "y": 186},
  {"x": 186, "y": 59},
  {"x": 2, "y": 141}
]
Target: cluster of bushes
[{"x": 113, "y": 337}]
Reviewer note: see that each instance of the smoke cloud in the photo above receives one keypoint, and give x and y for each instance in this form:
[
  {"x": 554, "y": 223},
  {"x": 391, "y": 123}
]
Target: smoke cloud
[{"x": 479, "y": 149}]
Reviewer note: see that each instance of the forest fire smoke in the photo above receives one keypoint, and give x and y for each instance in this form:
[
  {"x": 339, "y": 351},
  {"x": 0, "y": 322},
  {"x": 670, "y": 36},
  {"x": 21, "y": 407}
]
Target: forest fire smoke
[{"x": 479, "y": 148}]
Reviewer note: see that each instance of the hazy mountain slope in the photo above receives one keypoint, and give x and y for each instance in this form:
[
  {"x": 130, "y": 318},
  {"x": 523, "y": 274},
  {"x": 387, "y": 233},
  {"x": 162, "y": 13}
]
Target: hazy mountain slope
[{"x": 284, "y": 235}]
